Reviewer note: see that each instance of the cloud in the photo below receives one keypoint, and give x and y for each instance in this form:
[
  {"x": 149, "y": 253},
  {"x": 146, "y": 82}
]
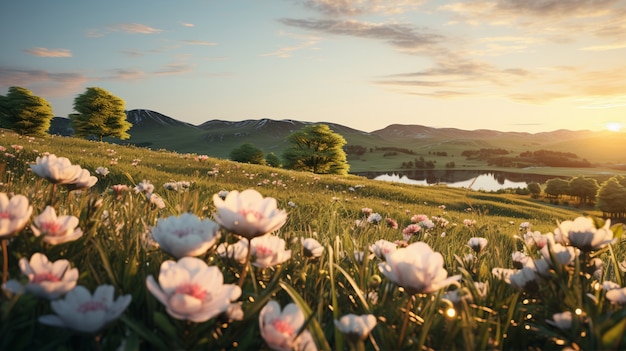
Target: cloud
[
  {"x": 285, "y": 52},
  {"x": 50, "y": 84},
  {"x": 361, "y": 7},
  {"x": 44, "y": 52},
  {"x": 199, "y": 42},
  {"x": 604, "y": 47},
  {"x": 134, "y": 28},
  {"x": 174, "y": 69},
  {"x": 187, "y": 24},
  {"x": 125, "y": 74},
  {"x": 402, "y": 36}
]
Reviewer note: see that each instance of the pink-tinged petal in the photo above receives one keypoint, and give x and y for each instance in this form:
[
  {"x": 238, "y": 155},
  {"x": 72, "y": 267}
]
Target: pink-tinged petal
[
  {"x": 184, "y": 304},
  {"x": 52, "y": 320},
  {"x": 104, "y": 293},
  {"x": 25, "y": 267},
  {"x": 116, "y": 309},
  {"x": 155, "y": 289}
]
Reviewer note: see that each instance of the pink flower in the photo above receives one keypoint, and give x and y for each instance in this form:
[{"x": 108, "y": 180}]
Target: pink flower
[
  {"x": 186, "y": 235},
  {"x": 46, "y": 279},
  {"x": 56, "y": 230},
  {"x": 192, "y": 290},
  {"x": 381, "y": 248},
  {"x": 248, "y": 213},
  {"x": 312, "y": 248},
  {"x": 417, "y": 268},
  {"x": 477, "y": 244},
  {"x": 82, "y": 312},
  {"x": 268, "y": 251},
  {"x": 356, "y": 327},
  {"x": 14, "y": 214},
  {"x": 280, "y": 329},
  {"x": 583, "y": 234}
]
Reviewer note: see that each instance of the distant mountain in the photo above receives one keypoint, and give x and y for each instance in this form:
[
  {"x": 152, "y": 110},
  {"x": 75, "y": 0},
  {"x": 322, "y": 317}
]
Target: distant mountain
[{"x": 218, "y": 137}]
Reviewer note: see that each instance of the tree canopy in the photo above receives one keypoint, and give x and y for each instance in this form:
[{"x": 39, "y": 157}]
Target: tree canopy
[
  {"x": 100, "y": 114},
  {"x": 248, "y": 153},
  {"x": 24, "y": 112},
  {"x": 316, "y": 148}
]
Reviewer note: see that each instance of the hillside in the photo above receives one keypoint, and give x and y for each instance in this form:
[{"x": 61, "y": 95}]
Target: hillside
[{"x": 218, "y": 137}]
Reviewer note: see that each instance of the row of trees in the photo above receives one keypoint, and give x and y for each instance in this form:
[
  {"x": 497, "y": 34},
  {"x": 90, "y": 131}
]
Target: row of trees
[
  {"x": 314, "y": 148},
  {"x": 99, "y": 114},
  {"x": 609, "y": 197}
]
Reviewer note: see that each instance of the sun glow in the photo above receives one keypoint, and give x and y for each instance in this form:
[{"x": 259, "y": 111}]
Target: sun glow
[{"x": 614, "y": 126}]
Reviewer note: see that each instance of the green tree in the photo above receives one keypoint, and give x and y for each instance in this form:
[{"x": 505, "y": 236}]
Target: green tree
[
  {"x": 583, "y": 188},
  {"x": 611, "y": 198},
  {"x": 557, "y": 187},
  {"x": 100, "y": 114},
  {"x": 24, "y": 112},
  {"x": 534, "y": 189},
  {"x": 316, "y": 148},
  {"x": 248, "y": 153},
  {"x": 272, "y": 160}
]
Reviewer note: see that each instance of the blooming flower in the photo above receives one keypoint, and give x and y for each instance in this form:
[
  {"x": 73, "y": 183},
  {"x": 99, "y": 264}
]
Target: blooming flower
[
  {"x": 103, "y": 171},
  {"x": 356, "y": 327},
  {"x": 374, "y": 218},
  {"x": 56, "y": 230},
  {"x": 535, "y": 239},
  {"x": 268, "y": 251},
  {"x": 312, "y": 247},
  {"x": 186, "y": 235},
  {"x": 14, "y": 214},
  {"x": 383, "y": 247},
  {"x": 46, "y": 279},
  {"x": 524, "y": 279},
  {"x": 617, "y": 296},
  {"x": 248, "y": 213},
  {"x": 417, "y": 268},
  {"x": 57, "y": 170},
  {"x": 237, "y": 251},
  {"x": 84, "y": 180},
  {"x": 391, "y": 223},
  {"x": 564, "y": 255},
  {"x": 477, "y": 244},
  {"x": 82, "y": 312},
  {"x": 144, "y": 187},
  {"x": 583, "y": 234},
  {"x": 280, "y": 329},
  {"x": 561, "y": 320},
  {"x": 192, "y": 290},
  {"x": 521, "y": 260},
  {"x": 469, "y": 222}
]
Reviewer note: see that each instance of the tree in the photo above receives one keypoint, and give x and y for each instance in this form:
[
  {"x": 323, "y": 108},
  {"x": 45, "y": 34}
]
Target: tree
[
  {"x": 557, "y": 187},
  {"x": 534, "y": 189},
  {"x": 248, "y": 153},
  {"x": 316, "y": 148},
  {"x": 611, "y": 198},
  {"x": 583, "y": 188},
  {"x": 100, "y": 114},
  {"x": 24, "y": 112},
  {"x": 272, "y": 160}
]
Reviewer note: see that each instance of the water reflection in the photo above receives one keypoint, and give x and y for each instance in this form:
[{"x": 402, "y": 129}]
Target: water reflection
[{"x": 471, "y": 179}]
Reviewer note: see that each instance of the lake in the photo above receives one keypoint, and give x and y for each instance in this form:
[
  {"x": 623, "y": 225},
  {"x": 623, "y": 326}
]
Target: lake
[{"x": 471, "y": 179}]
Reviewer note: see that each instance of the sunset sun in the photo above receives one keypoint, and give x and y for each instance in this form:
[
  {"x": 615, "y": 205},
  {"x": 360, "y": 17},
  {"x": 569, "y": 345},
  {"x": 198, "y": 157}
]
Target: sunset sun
[{"x": 614, "y": 126}]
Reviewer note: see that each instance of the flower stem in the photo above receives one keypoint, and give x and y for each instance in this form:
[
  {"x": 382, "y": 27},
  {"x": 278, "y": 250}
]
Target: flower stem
[
  {"x": 244, "y": 273},
  {"x": 405, "y": 323},
  {"x": 5, "y": 261}
]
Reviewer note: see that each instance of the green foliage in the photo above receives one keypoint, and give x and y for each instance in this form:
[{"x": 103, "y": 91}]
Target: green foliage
[
  {"x": 316, "y": 148},
  {"x": 248, "y": 153},
  {"x": 610, "y": 197},
  {"x": 100, "y": 114},
  {"x": 534, "y": 189},
  {"x": 272, "y": 160},
  {"x": 24, "y": 112},
  {"x": 557, "y": 187}
]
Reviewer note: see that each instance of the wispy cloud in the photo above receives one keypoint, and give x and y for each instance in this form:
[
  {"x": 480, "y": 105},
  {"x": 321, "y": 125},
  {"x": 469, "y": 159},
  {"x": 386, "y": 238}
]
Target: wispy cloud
[
  {"x": 49, "y": 84},
  {"x": 403, "y": 36},
  {"x": 174, "y": 68},
  {"x": 199, "y": 42},
  {"x": 44, "y": 52},
  {"x": 187, "y": 24},
  {"x": 122, "y": 74},
  {"x": 361, "y": 7},
  {"x": 134, "y": 28},
  {"x": 304, "y": 43},
  {"x": 604, "y": 47}
]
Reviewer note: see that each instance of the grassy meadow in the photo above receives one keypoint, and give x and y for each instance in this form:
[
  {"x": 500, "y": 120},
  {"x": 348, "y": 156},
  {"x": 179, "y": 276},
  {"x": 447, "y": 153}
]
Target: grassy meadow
[{"x": 483, "y": 311}]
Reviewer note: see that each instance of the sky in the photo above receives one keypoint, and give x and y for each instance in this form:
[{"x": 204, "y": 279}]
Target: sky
[{"x": 508, "y": 65}]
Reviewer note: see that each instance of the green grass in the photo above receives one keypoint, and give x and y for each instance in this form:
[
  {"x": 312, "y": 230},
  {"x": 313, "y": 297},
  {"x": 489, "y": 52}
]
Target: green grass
[{"x": 113, "y": 251}]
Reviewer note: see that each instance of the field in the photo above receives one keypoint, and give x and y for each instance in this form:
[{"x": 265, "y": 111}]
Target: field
[{"x": 561, "y": 298}]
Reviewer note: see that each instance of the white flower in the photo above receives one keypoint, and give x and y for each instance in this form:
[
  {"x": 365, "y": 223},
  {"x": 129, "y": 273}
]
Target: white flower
[
  {"x": 57, "y": 170},
  {"x": 561, "y": 320},
  {"x": 268, "y": 250},
  {"x": 82, "y": 312},
  {"x": 103, "y": 171},
  {"x": 237, "y": 251},
  {"x": 477, "y": 244},
  {"x": 248, "y": 213},
  {"x": 186, "y": 235},
  {"x": 192, "y": 290},
  {"x": 521, "y": 260},
  {"x": 583, "y": 234},
  {"x": 564, "y": 255},
  {"x": 535, "y": 239},
  {"x": 56, "y": 230},
  {"x": 617, "y": 296},
  {"x": 14, "y": 214},
  {"x": 46, "y": 279},
  {"x": 280, "y": 329},
  {"x": 356, "y": 327},
  {"x": 374, "y": 218},
  {"x": 144, "y": 187},
  {"x": 312, "y": 247},
  {"x": 156, "y": 200},
  {"x": 382, "y": 248},
  {"x": 417, "y": 268},
  {"x": 524, "y": 279}
]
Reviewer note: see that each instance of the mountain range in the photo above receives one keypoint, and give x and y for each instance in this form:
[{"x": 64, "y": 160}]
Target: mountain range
[{"x": 218, "y": 137}]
